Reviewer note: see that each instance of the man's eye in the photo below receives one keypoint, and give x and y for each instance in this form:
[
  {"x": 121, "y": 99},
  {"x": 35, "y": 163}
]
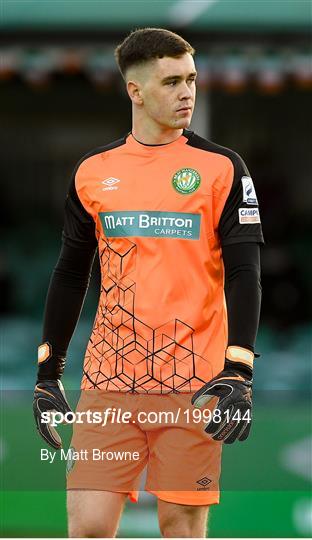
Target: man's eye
[{"x": 172, "y": 83}]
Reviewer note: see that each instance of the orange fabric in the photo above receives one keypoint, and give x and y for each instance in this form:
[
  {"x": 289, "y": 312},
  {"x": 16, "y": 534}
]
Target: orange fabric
[
  {"x": 239, "y": 354},
  {"x": 182, "y": 462},
  {"x": 161, "y": 322},
  {"x": 44, "y": 352},
  {"x": 237, "y": 378},
  {"x": 43, "y": 391}
]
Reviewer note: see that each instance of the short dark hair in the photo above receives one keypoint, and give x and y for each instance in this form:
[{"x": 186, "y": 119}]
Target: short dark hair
[{"x": 147, "y": 44}]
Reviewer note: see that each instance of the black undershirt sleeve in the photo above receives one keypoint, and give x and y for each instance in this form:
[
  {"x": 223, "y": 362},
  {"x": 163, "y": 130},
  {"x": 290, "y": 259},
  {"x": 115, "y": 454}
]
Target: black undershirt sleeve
[
  {"x": 68, "y": 285},
  {"x": 243, "y": 292},
  {"x": 241, "y": 235}
]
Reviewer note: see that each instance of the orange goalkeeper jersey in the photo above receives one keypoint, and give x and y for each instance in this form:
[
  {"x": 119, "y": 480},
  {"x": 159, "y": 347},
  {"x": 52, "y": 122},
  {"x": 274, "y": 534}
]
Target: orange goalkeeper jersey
[{"x": 161, "y": 215}]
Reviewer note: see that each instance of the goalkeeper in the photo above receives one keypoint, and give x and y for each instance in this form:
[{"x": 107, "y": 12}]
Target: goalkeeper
[{"x": 176, "y": 222}]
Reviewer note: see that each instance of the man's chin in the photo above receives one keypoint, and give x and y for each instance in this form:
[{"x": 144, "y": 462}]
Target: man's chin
[{"x": 183, "y": 123}]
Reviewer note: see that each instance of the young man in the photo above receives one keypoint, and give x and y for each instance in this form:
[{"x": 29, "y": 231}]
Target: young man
[{"x": 176, "y": 222}]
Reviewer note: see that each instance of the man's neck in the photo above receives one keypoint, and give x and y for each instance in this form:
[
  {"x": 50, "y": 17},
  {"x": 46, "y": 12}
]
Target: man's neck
[{"x": 147, "y": 134}]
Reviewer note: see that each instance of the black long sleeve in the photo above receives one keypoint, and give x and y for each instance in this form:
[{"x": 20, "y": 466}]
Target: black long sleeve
[
  {"x": 68, "y": 285},
  {"x": 66, "y": 294},
  {"x": 243, "y": 292},
  {"x": 241, "y": 236}
]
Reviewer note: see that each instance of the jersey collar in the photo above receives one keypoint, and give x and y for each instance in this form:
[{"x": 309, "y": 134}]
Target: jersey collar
[{"x": 153, "y": 148}]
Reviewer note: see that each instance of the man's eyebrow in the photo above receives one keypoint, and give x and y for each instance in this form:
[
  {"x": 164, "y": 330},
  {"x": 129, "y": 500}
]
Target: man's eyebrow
[{"x": 178, "y": 77}]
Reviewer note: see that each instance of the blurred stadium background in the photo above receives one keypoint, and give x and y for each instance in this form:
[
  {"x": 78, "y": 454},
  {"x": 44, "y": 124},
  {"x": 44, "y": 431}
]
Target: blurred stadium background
[{"x": 61, "y": 96}]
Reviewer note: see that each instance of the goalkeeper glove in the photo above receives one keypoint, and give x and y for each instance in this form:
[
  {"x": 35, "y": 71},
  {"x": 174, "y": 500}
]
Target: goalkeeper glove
[
  {"x": 49, "y": 396},
  {"x": 231, "y": 418}
]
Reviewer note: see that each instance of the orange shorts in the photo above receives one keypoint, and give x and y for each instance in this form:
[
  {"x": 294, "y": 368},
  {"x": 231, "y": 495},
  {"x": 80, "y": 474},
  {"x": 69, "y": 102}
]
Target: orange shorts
[{"x": 125, "y": 434}]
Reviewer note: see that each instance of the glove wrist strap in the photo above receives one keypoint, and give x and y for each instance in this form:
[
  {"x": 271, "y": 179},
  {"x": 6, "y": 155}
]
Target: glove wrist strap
[
  {"x": 50, "y": 365},
  {"x": 240, "y": 355}
]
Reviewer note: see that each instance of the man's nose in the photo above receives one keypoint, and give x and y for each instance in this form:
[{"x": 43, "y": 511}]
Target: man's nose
[{"x": 185, "y": 91}]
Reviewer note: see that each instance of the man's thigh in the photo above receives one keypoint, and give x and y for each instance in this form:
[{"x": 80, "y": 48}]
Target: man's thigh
[
  {"x": 180, "y": 521},
  {"x": 184, "y": 462},
  {"x": 108, "y": 457},
  {"x": 94, "y": 513}
]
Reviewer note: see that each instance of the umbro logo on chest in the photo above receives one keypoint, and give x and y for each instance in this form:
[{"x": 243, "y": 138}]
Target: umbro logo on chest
[{"x": 110, "y": 183}]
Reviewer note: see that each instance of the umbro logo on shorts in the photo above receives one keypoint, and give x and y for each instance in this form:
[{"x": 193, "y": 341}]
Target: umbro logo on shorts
[
  {"x": 204, "y": 482},
  {"x": 110, "y": 183}
]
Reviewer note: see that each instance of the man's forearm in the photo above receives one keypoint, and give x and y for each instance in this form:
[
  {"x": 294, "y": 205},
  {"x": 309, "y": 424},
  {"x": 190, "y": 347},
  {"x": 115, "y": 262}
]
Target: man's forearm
[
  {"x": 67, "y": 290},
  {"x": 243, "y": 293}
]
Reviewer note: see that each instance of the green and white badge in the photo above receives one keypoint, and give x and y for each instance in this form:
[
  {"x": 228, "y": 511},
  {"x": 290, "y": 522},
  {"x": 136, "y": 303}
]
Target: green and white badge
[{"x": 186, "y": 181}]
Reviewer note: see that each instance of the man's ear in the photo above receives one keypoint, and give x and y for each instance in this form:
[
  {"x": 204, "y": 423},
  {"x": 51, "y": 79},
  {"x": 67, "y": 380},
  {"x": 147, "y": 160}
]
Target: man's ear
[{"x": 134, "y": 92}]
